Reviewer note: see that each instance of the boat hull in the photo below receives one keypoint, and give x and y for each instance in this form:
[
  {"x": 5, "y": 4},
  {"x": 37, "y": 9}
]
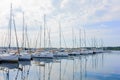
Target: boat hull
[
  {"x": 43, "y": 55},
  {"x": 9, "y": 58},
  {"x": 74, "y": 53},
  {"x": 23, "y": 57},
  {"x": 87, "y": 52},
  {"x": 61, "y": 54}
]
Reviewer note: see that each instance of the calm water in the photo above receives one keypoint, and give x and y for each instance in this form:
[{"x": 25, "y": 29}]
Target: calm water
[{"x": 91, "y": 67}]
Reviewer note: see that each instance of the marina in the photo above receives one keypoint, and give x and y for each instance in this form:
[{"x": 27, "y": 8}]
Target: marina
[{"x": 59, "y": 40}]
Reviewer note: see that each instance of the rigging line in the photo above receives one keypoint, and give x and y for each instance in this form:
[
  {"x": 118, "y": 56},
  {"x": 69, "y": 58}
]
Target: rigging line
[
  {"x": 48, "y": 33},
  {"x": 40, "y": 35},
  {"x": 33, "y": 42},
  {"x": 10, "y": 25},
  {"x": 73, "y": 37},
  {"x": 9, "y": 29},
  {"x": 49, "y": 36},
  {"x": 60, "y": 34},
  {"x": 23, "y": 32},
  {"x": 64, "y": 40},
  {"x": 80, "y": 39},
  {"x": 27, "y": 38},
  {"x": 5, "y": 40},
  {"x": 44, "y": 31},
  {"x": 49, "y": 39},
  {"x": 16, "y": 35},
  {"x": 84, "y": 34},
  {"x": 76, "y": 45},
  {"x": 36, "y": 41}
]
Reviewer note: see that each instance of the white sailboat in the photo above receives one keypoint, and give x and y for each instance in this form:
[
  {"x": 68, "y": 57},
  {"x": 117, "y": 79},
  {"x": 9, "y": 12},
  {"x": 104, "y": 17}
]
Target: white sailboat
[
  {"x": 24, "y": 55},
  {"x": 11, "y": 57},
  {"x": 85, "y": 51},
  {"x": 44, "y": 53},
  {"x": 8, "y": 56},
  {"x": 60, "y": 53},
  {"x": 97, "y": 48},
  {"x": 73, "y": 51}
]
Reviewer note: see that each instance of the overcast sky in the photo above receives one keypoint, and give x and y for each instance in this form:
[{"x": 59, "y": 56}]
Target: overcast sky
[{"x": 99, "y": 18}]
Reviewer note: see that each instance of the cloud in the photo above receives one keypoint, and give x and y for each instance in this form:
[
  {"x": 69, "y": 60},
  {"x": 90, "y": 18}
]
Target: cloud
[{"x": 64, "y": 3}]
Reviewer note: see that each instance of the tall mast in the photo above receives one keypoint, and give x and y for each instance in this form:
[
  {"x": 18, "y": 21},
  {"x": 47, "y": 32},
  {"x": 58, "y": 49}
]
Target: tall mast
[
  {"x": 44, "y": 31},
  {"x": 10, "y": 25},
  {"x": 80, "y": 38},
  {"x": 27, "y": 37},
  {"x": 73, "y": 36},
  {"x": 40, "y": 34},
  {"x": 60, "y": 33},
  {"x": 84, "y": 37},
  {"x": 23, "y": 32},
  {"x": 49, "y": 39},
  {"x": 16, "y": 34}
]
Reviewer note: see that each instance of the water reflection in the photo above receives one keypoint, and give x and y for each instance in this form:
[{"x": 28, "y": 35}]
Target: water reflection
[
  {"x": 7, "y": 70},
  {"x": 83, "y": 67}
]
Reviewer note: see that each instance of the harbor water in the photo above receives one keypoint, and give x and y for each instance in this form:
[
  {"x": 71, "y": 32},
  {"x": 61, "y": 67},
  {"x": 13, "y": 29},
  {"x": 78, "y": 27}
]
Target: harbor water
[{"x": 102, "y": 66}]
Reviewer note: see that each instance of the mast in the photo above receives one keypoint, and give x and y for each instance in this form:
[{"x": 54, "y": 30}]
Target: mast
[
  {"x": 27, "y": 37},
  {"x": 16, "y": 35},
  {"x": 10, "y": 25},
  {"x": 73, "y": 36},
  {"x": 23, "y": 32},
  {"x": 94, "y": 42},
  {"x": 101, "y": 43},
  {"x": 84, "y": 37},
  {"x": 49, "y": 39},
  {"x": 44, "y": 31},
  {"x": 60, "y": 34},
  {"x": 80, "y": 38},
  {"x": 40, "y": 34},
  {"x": 36, "y": 41}
]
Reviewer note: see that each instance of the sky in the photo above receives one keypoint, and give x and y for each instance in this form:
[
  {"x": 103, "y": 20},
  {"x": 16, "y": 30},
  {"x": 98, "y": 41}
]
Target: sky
[{"x": 98, "y": 19}]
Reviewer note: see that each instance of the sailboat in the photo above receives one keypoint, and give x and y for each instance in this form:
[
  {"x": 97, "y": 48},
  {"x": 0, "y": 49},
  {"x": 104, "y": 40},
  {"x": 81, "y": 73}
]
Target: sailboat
[
  {"x": 24, "y": 54},
  {"x": 9, "y": 56},
  {"x": 85, "y": 51},
  {"x": 98, "y": 49},
  {"x": 73, "y": 51},
  {"x": 61, "y": 52},
  {"x": 44, "y": 53}
]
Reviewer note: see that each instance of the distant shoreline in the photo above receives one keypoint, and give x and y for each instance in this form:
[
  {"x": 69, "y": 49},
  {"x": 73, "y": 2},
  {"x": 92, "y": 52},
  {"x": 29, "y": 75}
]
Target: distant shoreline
[{"x": 104, "y": 48}]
